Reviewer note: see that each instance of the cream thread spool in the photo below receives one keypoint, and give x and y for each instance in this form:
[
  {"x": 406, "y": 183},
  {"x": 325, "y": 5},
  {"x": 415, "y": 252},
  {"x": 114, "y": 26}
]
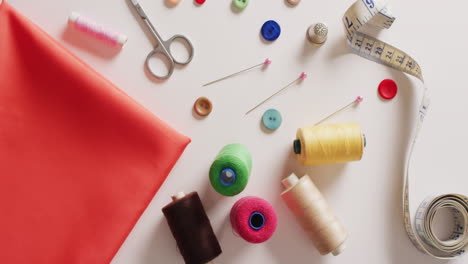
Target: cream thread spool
[
  {"x": 311, "y": 210},
  {"x": 96, "y": 30},
  {"x": 325, "y": 144}
]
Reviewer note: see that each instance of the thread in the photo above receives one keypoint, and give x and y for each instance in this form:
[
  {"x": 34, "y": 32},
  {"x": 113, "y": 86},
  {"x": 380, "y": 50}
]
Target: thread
[
  {"x": 191, "y": 228},
  {"x": 324, "y": 144},
  {"x": 312, "y": 212},
  {"x": 254, "y": 219},
  {"x": 96, "y": 30},
  {"x": 229, "y": 172}
]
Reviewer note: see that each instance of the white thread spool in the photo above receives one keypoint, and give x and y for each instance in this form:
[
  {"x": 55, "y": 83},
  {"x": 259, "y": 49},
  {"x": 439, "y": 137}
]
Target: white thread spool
[
  {"x": 313, "y": 213},
  {"x": 90, "y": 27}
]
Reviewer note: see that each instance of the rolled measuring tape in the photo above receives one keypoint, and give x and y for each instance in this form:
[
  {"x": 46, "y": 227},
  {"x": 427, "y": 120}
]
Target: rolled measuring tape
[{"x": 375, "y": 12}]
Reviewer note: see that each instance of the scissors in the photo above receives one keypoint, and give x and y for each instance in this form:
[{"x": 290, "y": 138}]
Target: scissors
[{"x": 163, "y": 47}]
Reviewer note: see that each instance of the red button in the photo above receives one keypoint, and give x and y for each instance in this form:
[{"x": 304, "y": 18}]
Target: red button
[
  {"x": 388, "y": 89},
  {"x": 200, "y": 2}
]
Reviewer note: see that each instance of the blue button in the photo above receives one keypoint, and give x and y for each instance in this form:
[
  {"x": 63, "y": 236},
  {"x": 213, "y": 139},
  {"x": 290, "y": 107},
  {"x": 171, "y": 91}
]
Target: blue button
[
  {"x": 271, "y": 30},
  {"x": 272, "y": 119}
]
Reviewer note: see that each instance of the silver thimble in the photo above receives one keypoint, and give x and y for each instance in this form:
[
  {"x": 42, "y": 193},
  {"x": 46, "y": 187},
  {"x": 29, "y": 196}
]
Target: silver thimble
[{"x": 317, "y": 33}]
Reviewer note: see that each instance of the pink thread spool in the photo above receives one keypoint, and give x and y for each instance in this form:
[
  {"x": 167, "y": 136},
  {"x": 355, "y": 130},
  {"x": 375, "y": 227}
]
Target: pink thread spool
[
  {"x": 90, "y": 27},
  {"x": 254, "y": 219}
]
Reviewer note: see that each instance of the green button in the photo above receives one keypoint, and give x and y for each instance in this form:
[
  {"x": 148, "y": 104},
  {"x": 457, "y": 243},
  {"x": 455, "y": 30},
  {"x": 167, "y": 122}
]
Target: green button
[
  {"x": 241, "y": 4},
  {"x": 272, "y": 119}
]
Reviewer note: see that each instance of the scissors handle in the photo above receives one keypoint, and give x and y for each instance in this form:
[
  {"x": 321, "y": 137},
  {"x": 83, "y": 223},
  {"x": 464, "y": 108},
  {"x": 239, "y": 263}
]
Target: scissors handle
[
  {"x": 163, "y": 52},
  {"x": 165, "y": 57},
  {"x": 188, "y": 45}
]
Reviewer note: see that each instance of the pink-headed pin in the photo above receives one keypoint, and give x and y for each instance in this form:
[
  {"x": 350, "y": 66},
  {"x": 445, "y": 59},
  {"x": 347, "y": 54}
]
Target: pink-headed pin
[
  {"x": 263, "y": 64},
  {"x": 301, "y": 78},
  {"x": 356, "y": 101}
]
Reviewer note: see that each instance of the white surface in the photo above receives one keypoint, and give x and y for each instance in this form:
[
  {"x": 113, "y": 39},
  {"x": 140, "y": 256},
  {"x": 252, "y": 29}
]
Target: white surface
[{"x": 366, "y": 195}]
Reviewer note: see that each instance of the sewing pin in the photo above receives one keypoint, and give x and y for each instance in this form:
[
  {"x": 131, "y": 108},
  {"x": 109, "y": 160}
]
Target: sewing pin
[
  {"x": 356, "y": 101},
  {"x": 265, "y": 63},
  {"x": 301, "y": 78}
]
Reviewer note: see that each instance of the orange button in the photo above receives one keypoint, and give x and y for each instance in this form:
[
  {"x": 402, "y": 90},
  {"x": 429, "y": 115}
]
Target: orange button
[
  {"x": 294, "y": 2},
  {"x": 203, "y": 106},
  {"x": 172, "y": 2}
]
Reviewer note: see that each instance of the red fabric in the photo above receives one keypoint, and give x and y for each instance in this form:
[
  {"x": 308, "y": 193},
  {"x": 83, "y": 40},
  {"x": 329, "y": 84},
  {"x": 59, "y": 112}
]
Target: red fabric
[{"x": 79, "y": 159}]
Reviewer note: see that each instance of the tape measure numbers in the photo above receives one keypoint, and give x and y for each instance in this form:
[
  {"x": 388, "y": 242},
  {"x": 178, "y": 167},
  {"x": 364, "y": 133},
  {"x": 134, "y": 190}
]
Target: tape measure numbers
[{"x": 375, "y": 12}]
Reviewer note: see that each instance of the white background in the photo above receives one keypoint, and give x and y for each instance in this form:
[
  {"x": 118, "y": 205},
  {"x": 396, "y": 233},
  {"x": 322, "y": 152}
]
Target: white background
[{"x": 366, "y": 195}]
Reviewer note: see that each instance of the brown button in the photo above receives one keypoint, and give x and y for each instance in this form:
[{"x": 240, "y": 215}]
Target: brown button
[
  {"x": 203, "y": 106},
  {"x": 294, "y": 2},
  {"x": 172, "y": 2}
]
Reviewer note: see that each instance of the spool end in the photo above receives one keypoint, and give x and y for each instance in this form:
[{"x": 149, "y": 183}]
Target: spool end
[
  {"x": 178, "y": 196},
  {"x": 227, "y": 177},
  {"x": 256, "y": 220},
  {"x": 122, "y": 39},
  {"x": 339, "y": 249},
  {"x": 290, "y": 181},
  {"x": 73, "y": 17},
  {"x": 297, "y": 146}
]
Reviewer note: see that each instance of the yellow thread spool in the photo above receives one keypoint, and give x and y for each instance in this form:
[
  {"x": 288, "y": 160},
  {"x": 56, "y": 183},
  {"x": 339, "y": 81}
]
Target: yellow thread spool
[{"x": 324, "y": 144}]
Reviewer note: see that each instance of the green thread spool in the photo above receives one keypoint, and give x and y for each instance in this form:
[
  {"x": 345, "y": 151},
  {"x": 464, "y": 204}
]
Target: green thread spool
[{"x": 230, "y": 171}]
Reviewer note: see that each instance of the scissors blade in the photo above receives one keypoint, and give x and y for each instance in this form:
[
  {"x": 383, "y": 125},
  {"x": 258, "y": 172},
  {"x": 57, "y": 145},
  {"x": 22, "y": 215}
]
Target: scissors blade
[
  {"x": 147, "y": 22},
  {"x": 139, "y": 10}
]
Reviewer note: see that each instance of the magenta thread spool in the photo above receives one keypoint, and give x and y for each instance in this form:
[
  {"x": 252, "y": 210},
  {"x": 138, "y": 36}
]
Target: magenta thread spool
[
  {"x": 95, "y": 30},
  {"x": 254, "y": 219}
]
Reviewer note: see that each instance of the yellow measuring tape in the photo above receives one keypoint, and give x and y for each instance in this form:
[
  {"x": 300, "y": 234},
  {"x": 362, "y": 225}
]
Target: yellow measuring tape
[{"x": 375, "y": 12}]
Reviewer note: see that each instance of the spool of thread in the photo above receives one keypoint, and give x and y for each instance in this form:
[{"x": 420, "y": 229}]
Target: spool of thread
[
  {"x": 191, "y": 228},
  {"x": 229, "y": 173},
  {"x": 324, "y": 144},
  {"x": 100, "y": 32},
  {"x": 254, "y": 219},
  {"x": 306, "y": 202}
]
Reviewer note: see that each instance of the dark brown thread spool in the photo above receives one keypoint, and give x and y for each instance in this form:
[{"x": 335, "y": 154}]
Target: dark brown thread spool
[{"x": 191, "y": 228}]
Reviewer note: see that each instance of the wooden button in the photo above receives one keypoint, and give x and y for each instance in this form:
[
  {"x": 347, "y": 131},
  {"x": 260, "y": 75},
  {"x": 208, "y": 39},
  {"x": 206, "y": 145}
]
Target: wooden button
[
  {"x": 294, "y": 2},
  {"x": 203, "y": 106},
  {"x": 173, "y": 2}
]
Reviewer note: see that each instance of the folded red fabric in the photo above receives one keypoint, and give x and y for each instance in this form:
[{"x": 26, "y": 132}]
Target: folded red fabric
[{"x": 79, "y": 159}]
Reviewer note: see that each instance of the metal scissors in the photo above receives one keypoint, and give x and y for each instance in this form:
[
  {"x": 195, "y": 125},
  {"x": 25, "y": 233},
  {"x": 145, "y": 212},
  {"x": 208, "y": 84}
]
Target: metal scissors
[{"x": 163, "y": 47}]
